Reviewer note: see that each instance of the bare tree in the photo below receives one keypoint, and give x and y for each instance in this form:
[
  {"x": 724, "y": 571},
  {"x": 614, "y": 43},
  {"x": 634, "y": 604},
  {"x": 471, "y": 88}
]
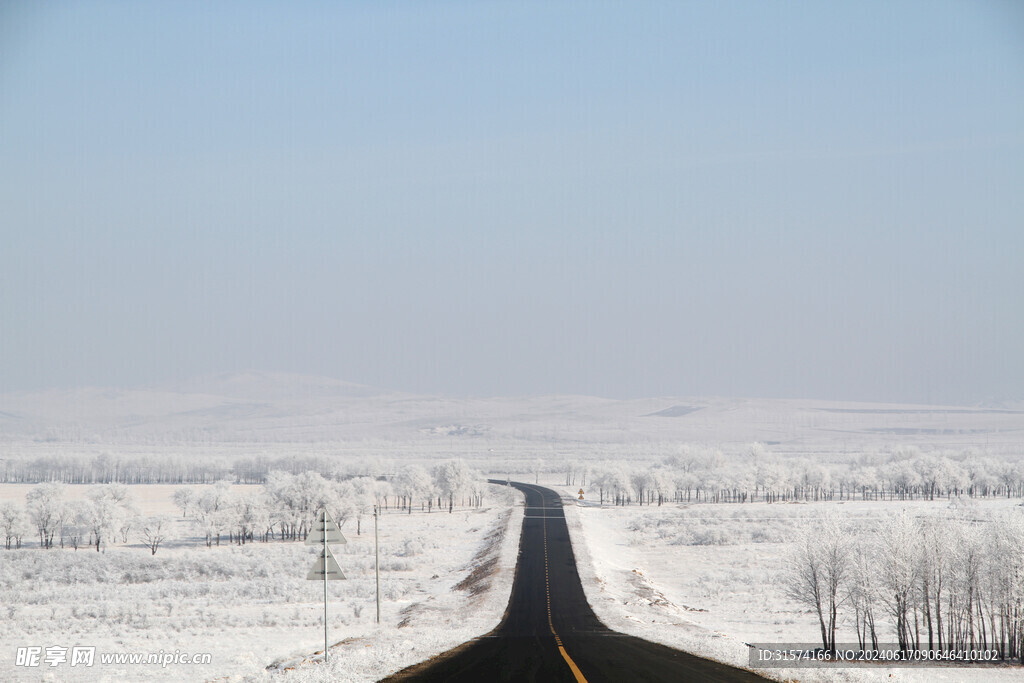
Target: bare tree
[{"x": 153, "y": 534}]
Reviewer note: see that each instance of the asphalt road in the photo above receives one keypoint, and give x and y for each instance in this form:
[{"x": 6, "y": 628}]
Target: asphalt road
[{"x": 549, "y": 632}]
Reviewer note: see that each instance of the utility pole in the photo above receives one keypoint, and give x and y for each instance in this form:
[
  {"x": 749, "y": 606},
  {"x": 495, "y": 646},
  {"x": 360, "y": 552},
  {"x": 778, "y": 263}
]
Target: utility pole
[
  {"x": 323, "y": 529},
  {"x": 376, "y": 559}
]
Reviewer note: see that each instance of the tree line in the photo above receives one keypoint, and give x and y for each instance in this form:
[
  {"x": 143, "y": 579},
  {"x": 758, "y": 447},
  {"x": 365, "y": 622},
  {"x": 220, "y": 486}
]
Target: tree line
[
  {"x": 107, "y": 468},
  {"x": 707, "y": 475},
  {"x": 692, "y": 474},
  {"x": 284, "y": 508}
]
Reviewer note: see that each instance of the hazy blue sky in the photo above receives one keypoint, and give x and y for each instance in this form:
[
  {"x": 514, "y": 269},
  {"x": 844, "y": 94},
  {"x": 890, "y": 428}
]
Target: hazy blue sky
[{"x": 787, "y": 199}]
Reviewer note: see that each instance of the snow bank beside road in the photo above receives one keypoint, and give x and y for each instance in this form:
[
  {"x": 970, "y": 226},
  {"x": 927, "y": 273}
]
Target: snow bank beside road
[
  {"x": 625, "y": 599},
  {"x": 469, "y": 605}
]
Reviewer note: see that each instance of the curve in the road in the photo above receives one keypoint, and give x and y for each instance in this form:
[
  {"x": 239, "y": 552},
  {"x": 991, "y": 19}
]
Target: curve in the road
[{"x": 550, "y": 633}]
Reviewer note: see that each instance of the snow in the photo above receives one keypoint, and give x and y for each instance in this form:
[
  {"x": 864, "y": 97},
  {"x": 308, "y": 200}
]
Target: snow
[
  {"x": 706, "y": 578},
  {"x": 250, "y": 606},
  {"x": 701, "y": 577},
  {"x": 279, "y": 409}
]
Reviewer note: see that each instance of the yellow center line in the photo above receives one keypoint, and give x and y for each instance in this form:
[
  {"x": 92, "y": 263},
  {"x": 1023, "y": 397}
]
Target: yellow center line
[
  {"x": 572, "y": 666},
  {"x": 547, "y": 589}
]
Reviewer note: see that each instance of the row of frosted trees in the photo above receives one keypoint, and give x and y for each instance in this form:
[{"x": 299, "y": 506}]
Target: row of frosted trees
[
  {"x": 283, "y": 508},
  {"x": 700, "y": 474},
  {"x": 693, "y": 473},
  {"x": 286, "y": 505},
  {"x": 105, "y": 468},
  {"x": 106, "y": 513},
  {"x": 939, "y": 584}
]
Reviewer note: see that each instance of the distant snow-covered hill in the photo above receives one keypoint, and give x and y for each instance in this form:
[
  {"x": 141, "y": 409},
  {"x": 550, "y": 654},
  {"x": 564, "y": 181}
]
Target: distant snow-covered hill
[
  {"x": 268, "y": 386},
  {"x": 255, "y": 407}
]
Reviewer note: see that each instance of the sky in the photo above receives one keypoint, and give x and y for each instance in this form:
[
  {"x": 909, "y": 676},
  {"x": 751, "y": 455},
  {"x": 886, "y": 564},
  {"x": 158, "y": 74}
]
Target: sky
[{"x": 622, "y": 199}]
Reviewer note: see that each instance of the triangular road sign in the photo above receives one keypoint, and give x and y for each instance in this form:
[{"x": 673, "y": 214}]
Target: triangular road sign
[
  {"x": 324, "y": 525},
  {"x": 334, "y": 572}
]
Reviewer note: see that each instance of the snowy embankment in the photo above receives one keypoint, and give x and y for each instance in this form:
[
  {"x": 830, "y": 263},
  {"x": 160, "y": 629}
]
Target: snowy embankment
[
  {"x": 445, "y": 578},
  {"x": 708, "y": 579}
]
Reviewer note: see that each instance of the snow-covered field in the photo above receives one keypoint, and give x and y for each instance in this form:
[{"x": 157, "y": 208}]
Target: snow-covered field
[
  {"x": 251, "y": 607},
  {"x": 703, "y": 577},
  {"x": 707, "y": 578}
]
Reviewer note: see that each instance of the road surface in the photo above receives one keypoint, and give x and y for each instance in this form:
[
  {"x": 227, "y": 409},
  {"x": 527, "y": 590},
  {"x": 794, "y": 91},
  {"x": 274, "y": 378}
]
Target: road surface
[{"x": 549, "y": 633}]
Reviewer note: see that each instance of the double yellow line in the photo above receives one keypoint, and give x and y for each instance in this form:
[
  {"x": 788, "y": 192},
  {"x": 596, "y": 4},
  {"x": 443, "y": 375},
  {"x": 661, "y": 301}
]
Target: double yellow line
[{"x": 547, "y": 590}]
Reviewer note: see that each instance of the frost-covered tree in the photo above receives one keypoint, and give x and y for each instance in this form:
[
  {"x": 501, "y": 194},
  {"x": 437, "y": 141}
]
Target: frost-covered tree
[
  {"x": 818, "y": 574},
  {"x": 45, "y": 504},
  {"x": 294, "y": 500},
  {"x": 982, "y": 475},
  {"x": 933, "y": 575},
  {"x": 312, "y": 491},
  {"x": 862, "y": 590},
  {"x": 184, "y": 497},
  {"x": 967, "y": 560},
  {"x": 215, "y": 524},
  {"x": 814, "y": 478},
  {"x": 413, "y": 482},
  {"x": 661, "y": 483},
  {"x": 109, "y": 510},
  {"x": 214, "y": 498},
  {"x": 617, "y": 482},
  {"x": 769, "y": 472},
  {"x": 947, "y": 583},
  {"x": 640, "y": 481},
  {"x": 251, "y": 516},
  {"x": 215, "y": 512},
  {"x": 382, "y": 491},
  {"x": 452, "y": 478},
  {"x": 76, "y": 528},
  {"x": 360, "y": 500},
  {"x": 900, "y": 543},
  {"x": 283, "y": 501},
  {"x": 12, "y": 522},
  {"x": 1004, "y": 585},
  {"x": 573, "y": 468}
]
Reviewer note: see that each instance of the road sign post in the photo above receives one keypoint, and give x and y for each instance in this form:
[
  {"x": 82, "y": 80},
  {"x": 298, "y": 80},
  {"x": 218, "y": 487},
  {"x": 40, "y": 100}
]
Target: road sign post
[{"x": 326, "y": 566}]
